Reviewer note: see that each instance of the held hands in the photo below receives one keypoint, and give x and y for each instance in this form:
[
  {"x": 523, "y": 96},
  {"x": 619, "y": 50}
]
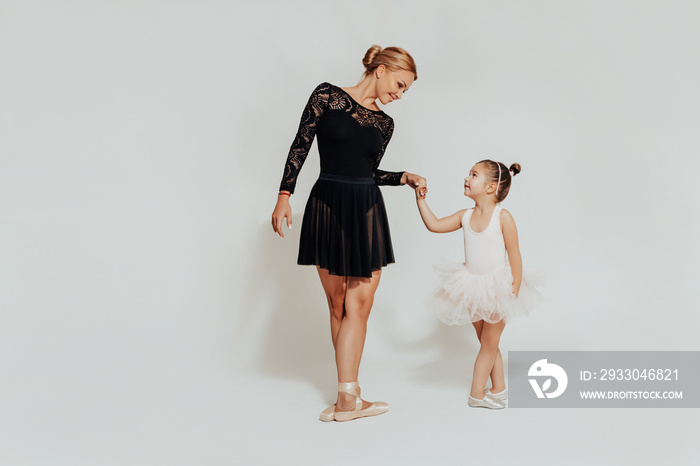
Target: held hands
[
  {"x": 282, "y": 210},
  {"x": 421, "y": 190},
  {"x": 416, "y": 182},
  {"x": 412, "y": 180}
]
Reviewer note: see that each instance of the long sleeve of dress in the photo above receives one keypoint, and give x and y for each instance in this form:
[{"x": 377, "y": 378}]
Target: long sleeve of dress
[
  {"x": 317, "y": 104},
  {"x": 382, "y": 177}
]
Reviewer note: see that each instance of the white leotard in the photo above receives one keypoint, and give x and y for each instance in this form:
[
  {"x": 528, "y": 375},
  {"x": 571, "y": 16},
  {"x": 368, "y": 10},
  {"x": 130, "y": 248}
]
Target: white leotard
[{"x": 485, "y": 251}]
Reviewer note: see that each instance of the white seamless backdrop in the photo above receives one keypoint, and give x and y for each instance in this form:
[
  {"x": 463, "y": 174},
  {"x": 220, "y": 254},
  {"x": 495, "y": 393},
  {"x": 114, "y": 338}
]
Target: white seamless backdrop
[{"x": 150, "y": 315}]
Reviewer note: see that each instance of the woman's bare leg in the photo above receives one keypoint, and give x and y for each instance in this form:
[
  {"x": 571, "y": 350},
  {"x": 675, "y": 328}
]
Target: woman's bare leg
[
  {"x": 498, "y": 380},
  {"x": 490, "y": 337},
  {"x": 335, "y": 287},
  {"x": 350, "y": 301},
  {"x": 359, "y": 297}
]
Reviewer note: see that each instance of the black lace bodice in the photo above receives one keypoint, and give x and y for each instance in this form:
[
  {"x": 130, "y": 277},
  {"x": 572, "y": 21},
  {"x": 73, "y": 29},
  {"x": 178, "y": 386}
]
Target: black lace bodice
[{"x": 351, "y": 138}]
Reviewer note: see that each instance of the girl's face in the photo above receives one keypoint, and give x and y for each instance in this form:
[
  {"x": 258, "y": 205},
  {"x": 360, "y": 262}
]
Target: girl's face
[
  {"x": 391, "y": 84},
  {"x": 476, "y": 183}
]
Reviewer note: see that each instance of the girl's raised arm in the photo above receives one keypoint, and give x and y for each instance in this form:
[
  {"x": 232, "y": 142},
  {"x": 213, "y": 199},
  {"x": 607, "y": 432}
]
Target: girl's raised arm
[
  {"x": 432, "y": 223},
  {"x": 510, "y": 236}
]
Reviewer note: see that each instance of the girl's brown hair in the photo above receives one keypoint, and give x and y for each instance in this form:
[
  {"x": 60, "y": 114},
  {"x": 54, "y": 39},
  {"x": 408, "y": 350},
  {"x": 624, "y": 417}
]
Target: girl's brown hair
[
  {"x": 492, "y": 169},
  {"x": 393, "y": 58}
]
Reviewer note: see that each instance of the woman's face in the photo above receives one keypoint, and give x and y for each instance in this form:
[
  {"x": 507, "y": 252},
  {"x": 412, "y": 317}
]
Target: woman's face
[{"x": 392, "y": 84}]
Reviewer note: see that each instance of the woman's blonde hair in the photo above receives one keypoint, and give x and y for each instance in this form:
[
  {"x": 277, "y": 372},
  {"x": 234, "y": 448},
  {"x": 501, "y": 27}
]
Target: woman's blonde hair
[{"x": 393, "y": 58}]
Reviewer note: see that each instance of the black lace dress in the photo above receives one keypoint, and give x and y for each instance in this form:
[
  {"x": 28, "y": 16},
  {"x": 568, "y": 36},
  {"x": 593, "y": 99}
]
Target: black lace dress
[{"x": 345, "y": 228}]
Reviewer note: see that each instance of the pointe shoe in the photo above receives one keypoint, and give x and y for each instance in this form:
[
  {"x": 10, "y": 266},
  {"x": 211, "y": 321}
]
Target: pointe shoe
[
  {"x": 488, "y": 402},
  {"x": 352, "y": 388},
  {"x": 327, "y": 414},
  {"x": 500, "y": 396}
]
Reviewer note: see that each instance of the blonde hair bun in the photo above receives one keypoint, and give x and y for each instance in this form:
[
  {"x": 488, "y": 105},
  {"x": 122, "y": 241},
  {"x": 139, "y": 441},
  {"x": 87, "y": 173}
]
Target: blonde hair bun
[
  {"x": 372, "y": 52},
  {"x": 393, "y": 59}
]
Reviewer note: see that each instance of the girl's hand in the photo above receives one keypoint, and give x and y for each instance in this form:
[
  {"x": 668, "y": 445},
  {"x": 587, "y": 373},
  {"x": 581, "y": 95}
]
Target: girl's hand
[
  {"x": 421, "y": 190},
  {"x": 412, "y": 180},
  {"x": 516, "y": 290},
  {"x": 282, "y": 210}
]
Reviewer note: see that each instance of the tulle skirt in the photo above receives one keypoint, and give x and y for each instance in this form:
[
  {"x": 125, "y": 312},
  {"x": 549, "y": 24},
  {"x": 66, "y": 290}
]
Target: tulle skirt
[
  {"x": 345, "y": 228},
  {"x": 464, "y": 297}
]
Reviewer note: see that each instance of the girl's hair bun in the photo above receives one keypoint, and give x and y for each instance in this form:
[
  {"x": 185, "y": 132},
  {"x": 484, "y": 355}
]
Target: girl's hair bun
[
  {"x": 515, "y": 168},
  {"x": 372, "y": 52}
]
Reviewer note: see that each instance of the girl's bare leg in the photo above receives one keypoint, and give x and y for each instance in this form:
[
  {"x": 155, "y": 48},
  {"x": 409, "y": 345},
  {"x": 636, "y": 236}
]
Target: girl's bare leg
[
  {"x": 490, "y": 337},
  {"x": 349, "y": 325},
  {"x": 498, "y": 380}
]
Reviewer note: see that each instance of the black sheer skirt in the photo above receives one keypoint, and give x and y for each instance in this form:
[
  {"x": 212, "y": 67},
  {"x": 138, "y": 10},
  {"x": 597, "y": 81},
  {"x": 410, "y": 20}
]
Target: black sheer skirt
[{"x": 345, "y": 228}]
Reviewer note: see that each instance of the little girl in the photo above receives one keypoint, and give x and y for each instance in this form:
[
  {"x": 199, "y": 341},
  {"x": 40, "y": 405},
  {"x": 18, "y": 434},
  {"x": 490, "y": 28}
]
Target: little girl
[{"x": 488, "y": 289}]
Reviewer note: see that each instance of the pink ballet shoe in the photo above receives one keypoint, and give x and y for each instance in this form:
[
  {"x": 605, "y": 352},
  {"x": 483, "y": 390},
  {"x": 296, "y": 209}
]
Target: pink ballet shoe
[
  {"x": 327, "y": 414},
  {"x": 352, "y": 388}
]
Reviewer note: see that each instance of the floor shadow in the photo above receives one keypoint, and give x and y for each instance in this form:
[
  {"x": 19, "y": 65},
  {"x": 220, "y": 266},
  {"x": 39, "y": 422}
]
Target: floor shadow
[
  {"x": 297, "y": 342},
  {"x": 455, "y": 350}
]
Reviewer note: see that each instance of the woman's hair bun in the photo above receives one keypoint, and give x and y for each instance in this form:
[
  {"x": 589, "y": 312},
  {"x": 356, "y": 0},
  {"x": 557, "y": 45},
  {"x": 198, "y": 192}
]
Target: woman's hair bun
[
  {"x": 515, "y": 168},
  {"x": 391, "y": 58},
  {"x": 372, "y": 52}
]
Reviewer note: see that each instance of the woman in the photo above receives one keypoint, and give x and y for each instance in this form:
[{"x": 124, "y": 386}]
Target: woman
[{"x": 345, "y": 232}]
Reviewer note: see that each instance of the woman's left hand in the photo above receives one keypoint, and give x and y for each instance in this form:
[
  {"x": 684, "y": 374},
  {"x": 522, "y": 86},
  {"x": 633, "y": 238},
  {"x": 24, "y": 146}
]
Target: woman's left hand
[
  {"x": 413, "y": 180},
  {"x": 516, "y": 290}
]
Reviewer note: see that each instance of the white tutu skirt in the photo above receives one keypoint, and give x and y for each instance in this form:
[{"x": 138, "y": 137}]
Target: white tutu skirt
[{"x": 464, "y": 297}]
